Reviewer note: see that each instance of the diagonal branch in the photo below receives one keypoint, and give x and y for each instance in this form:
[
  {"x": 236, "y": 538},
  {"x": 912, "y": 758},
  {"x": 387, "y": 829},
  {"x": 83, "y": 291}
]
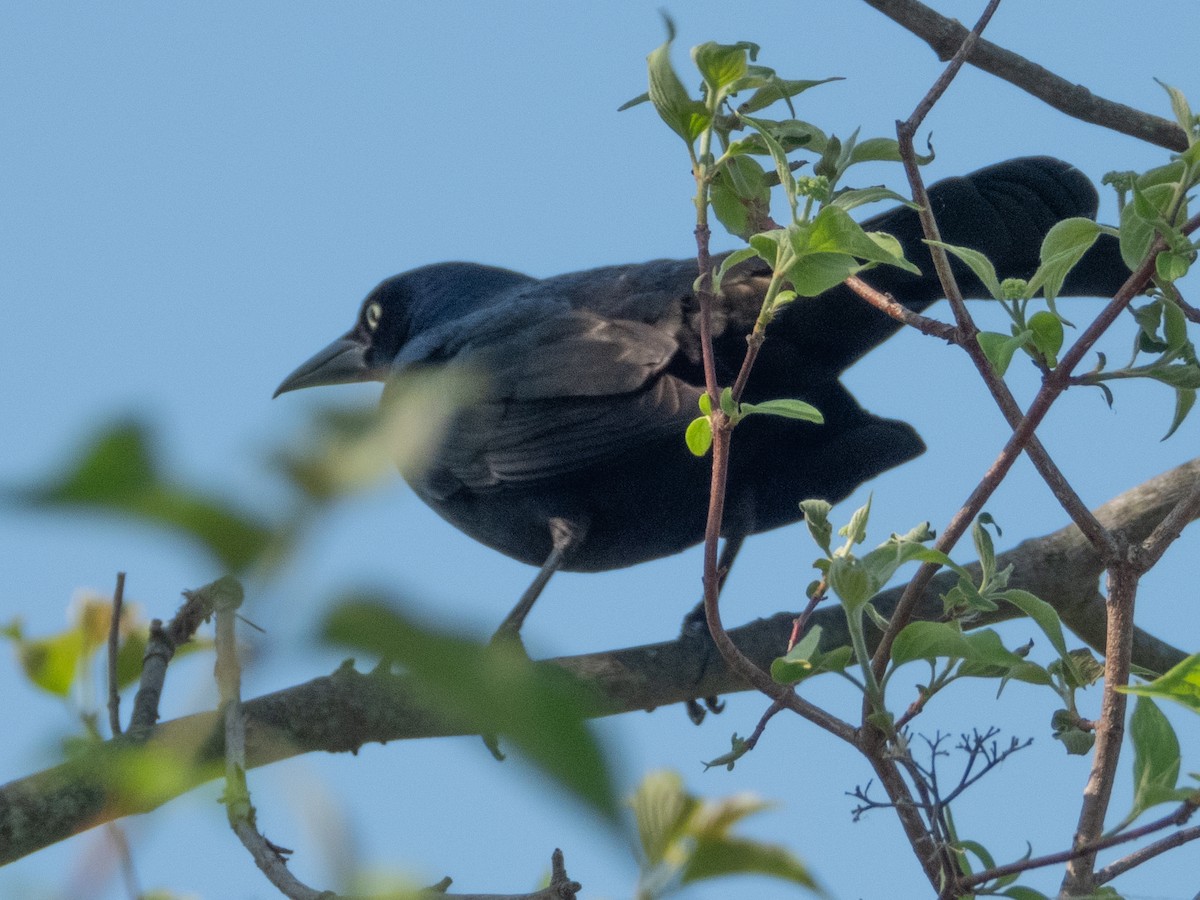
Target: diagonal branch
[
  {"x": 340, "y": 712},
  {"x": 945, "y": 35}
]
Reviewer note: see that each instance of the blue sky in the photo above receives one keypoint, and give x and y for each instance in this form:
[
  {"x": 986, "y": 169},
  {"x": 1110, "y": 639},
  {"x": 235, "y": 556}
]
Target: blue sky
[{"x": 196, "y": 197}]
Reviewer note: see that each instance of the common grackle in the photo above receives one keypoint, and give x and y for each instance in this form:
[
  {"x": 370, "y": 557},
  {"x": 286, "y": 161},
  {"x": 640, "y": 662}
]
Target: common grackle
[{"x": 575, "y": 457}]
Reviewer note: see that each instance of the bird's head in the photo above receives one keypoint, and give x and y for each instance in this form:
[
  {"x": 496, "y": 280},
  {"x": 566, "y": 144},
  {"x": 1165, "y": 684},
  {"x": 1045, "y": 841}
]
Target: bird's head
[{"x": 366, "y": 351}]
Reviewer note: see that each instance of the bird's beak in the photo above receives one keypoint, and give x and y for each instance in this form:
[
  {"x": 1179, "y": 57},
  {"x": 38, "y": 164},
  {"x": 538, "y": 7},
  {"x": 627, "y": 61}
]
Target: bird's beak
[{"x": 342, "y": 362}]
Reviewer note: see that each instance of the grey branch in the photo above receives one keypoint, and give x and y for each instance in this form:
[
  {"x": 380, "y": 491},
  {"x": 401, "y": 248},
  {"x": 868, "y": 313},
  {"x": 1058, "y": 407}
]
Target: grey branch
[
  {"x": 945, "y": 36},
  {"x": 341, "y": 712}
]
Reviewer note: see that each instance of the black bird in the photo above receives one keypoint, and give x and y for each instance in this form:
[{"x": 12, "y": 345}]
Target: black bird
[{"x": 575, "y": 457}]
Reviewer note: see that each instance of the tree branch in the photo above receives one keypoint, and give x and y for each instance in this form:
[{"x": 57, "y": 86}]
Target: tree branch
[
  {"x": 341, "y": 712},
  {"x": 945, "y": 36}
]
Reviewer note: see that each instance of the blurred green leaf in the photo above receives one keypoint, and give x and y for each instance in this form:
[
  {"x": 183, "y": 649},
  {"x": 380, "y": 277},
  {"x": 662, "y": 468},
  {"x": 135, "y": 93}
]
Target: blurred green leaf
[
  {"x": 1181, "y": 684},
  {"x": 662, "y": 810},
  {"x": 1155, "y": 758},
  {"x": 118, "y": 472},
  {"x": 489, "y": 689}
]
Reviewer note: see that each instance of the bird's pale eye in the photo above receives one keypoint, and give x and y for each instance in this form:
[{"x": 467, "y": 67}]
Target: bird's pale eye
[{"x": 371, "y": 316}]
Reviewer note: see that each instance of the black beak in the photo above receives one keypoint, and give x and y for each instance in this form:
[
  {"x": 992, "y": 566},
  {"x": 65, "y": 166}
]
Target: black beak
[{"x": 342, "y": 362}]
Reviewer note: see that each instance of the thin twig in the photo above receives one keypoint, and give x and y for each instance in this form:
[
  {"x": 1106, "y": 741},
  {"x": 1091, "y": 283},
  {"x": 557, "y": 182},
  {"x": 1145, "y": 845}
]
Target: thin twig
[
  {"x": 1168, "y": 531},
  {"x": 114, "y": 646},
  {"x": 1054, "y": 859},
  {"x": 889, "y": 307}
]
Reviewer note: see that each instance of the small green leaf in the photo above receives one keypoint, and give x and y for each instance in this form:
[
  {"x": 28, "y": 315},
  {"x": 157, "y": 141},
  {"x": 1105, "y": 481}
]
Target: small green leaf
[
  {"x": 1183, "y": 375},
  {"x": 855, "y": 197},
  {"x": 1155, "y": 758},
  {"x": 787, "y": 409},
  {"x": 816, "y": 516},
  {"x": 1047, "y": 335},
  {"x": 1181, "y": 109},
  {"x": 683, "y": 115},
  {"x": 878, "y": 149},
  {"x": 699, "y": 436},
  {"x": 722, "y": 64},
  {"x": 730, "y": 261},
  {"x": 1181, "y": 684},
  {"x": 978, "y": 263},
  {"x": 855, "y": 531},
  {"x": 1063, "y": 247},
  {"x": 777, "y": 89},
  {"x": 929, "y": 640},
  {"x": 1185, "y": 399},
  {"x": 1046, "y": 618},
  {"x": 1174, "y": 324},
  {"x": 1172, "y": 265},
  {"x": 999, "y": 348},
  {"x": 851, "y": 582}
]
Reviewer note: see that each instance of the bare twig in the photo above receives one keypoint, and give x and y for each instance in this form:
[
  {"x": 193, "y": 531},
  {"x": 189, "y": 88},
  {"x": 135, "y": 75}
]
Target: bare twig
[
  {"x": 114, "y": 646},
  {"x": 946, "y": 35},
  {"x": 886, "y": 305}
]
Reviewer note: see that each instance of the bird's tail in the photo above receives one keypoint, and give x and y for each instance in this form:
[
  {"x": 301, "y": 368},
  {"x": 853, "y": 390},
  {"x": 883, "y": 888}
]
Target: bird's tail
[{"x": 1003, "y": 211}]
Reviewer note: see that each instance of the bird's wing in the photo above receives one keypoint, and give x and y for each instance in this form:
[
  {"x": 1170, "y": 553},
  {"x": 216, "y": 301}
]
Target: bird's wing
[{"x": 566, "y": 389}]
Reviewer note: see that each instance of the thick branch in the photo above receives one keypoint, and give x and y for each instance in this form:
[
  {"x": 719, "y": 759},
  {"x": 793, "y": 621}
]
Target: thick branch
[
  {"x": 945, "y": 36},
  {"x": 343, "y": 711}
]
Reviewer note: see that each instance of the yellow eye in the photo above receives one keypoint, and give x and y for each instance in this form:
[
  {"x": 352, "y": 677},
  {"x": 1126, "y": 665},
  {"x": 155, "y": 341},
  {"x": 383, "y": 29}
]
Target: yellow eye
[{"x": 371, "y": 316}]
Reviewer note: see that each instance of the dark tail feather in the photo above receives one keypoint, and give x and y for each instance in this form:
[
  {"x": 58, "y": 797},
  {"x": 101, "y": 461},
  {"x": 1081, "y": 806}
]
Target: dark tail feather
[{"x": 1003, "y": 211}]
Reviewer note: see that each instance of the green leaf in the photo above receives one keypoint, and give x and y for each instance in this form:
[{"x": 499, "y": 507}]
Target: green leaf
[
  {"x": 1172, "y": 265},
  {"x": 999, "y": 348},
  {"x": 1046, "y": 618},
  {"x": 1174, "y": 323},
  {"x": 1140, "y": 219},
  {"x": 815, "y": 273},
  {"x": 1155, "y": 758},
  {"x": 777, "y": 89},
  {"x": 730, "y": 261},
  {"x": 1185, "y": 376},
  {"x": 721, "y": 65},
  {"x": 714, "y": 857},
  {"x": 833, "y": 231},
  {"x": 662, "y": 810},
  {"x": 854, "y": 197},
  {"x": 1063, "y": 247},
  {"x": 805, "y": 659},
  {"x": 855, "y": 531},
  {"x": 878, "y": 149},
  {"x": 489, "y": 689},
  {"x": 1185, "y": 399},
  {"x": 683, "y": 115},
  {"x": 816, "y": 517},
  {"x": 117, "y": 472},
  {"x": 1181, "y": 684},
  {"x": 699, "y": 436},
  {"x": 787, "y": 409},
  {"x": 929, "y": 640},
  {"x": 1047, "y": 332},
  {"x": 978, "y": 263},
  {"x": 772, "y": 246},
  {"x": 851, "y": 582},
  {"x": 1181, "y": 109}
]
